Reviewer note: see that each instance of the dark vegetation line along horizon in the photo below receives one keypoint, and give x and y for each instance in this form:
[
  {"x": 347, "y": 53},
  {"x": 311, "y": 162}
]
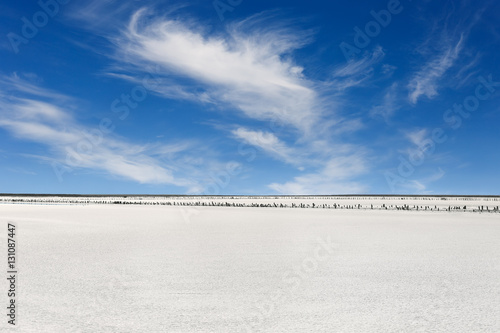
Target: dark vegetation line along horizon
[
  {"x": 281, "y": 196},
  {"x": 113, "y": 201}
]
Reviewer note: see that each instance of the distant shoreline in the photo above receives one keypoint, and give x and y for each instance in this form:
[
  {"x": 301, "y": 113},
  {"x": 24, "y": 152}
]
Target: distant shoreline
[
  {"x": 281, "y": 196},
  {"x": 358, "y": 202}
]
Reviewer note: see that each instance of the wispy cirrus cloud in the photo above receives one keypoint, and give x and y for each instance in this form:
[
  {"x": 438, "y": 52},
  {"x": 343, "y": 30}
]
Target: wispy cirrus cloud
[
  {"x": 247, "y": 68},
  {"x": 417, "y": 137},
  {"x": 27, "y": 83},
  {"x": 334, "y": 177},
  {"x": 425, "y": 81},
  {"x": 72, "y": 145},
  {"x": 421, "y": 185},
  {"x": 362, "y": 66},
  {"x": 390, "y": 103},
  {"x": 356, "y": 72},
  {"x": 444, "y": 48},
  {"x": 268, "y": 142}
]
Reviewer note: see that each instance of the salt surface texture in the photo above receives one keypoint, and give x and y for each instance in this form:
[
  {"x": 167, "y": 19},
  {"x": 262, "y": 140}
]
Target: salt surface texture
[{"x": 130, "y": 268}]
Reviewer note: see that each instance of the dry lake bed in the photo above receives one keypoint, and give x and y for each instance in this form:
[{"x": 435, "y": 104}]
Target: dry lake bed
[{"x": 253, "y": 264}]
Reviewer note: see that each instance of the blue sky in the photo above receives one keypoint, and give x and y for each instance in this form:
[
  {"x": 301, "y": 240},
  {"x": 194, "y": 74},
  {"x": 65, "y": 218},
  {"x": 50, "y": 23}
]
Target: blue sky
[{"x": 250, "y": 97}]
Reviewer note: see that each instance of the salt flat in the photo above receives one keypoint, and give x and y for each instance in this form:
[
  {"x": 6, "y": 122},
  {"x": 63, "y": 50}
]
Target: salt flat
[{"x": 136, "y": 268}]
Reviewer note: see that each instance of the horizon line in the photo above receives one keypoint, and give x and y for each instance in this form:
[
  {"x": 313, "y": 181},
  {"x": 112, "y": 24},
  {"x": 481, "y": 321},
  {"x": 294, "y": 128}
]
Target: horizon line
[{"x": 249, "y": 195}]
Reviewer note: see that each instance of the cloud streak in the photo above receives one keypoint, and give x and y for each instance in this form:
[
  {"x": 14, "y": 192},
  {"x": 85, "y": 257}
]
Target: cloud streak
[
  {"x": 247, "y": 68},
  {"x": 268, "y": 142},
  {"x": 390, "y": 103},
  {"x": 333, "y": 178},
  {"x": 75, "y": 146},
  {"x": 425, "y": 81}
]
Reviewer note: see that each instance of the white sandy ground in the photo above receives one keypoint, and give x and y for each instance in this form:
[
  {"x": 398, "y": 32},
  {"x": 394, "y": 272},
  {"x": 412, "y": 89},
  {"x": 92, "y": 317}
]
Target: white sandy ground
[{"x": 127, "y": 268}]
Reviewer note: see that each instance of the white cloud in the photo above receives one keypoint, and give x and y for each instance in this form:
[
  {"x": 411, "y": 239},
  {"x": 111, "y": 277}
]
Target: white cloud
[
  {"x": 420, "y": 186},
  {"x": 38, "y": 110},
  {"x": 248, "y": 68},
  {"x": 425, "y": 81},
  {"x": 72, "y": 148},
  {"x": 417, "y": 137},
  {"x": 389, "y": 104},
  {"x": 15, "y": 84},
  {"x": 356, "y": 72},
  {"x": 72, "y": 145},
  {"x": 388, "y": 69},
  {"x": 334, "y": 178},
  {"x": 435, "y": 176},
  {"x": 268, "y": 142},
  {"x": 362, "y": 66}
]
